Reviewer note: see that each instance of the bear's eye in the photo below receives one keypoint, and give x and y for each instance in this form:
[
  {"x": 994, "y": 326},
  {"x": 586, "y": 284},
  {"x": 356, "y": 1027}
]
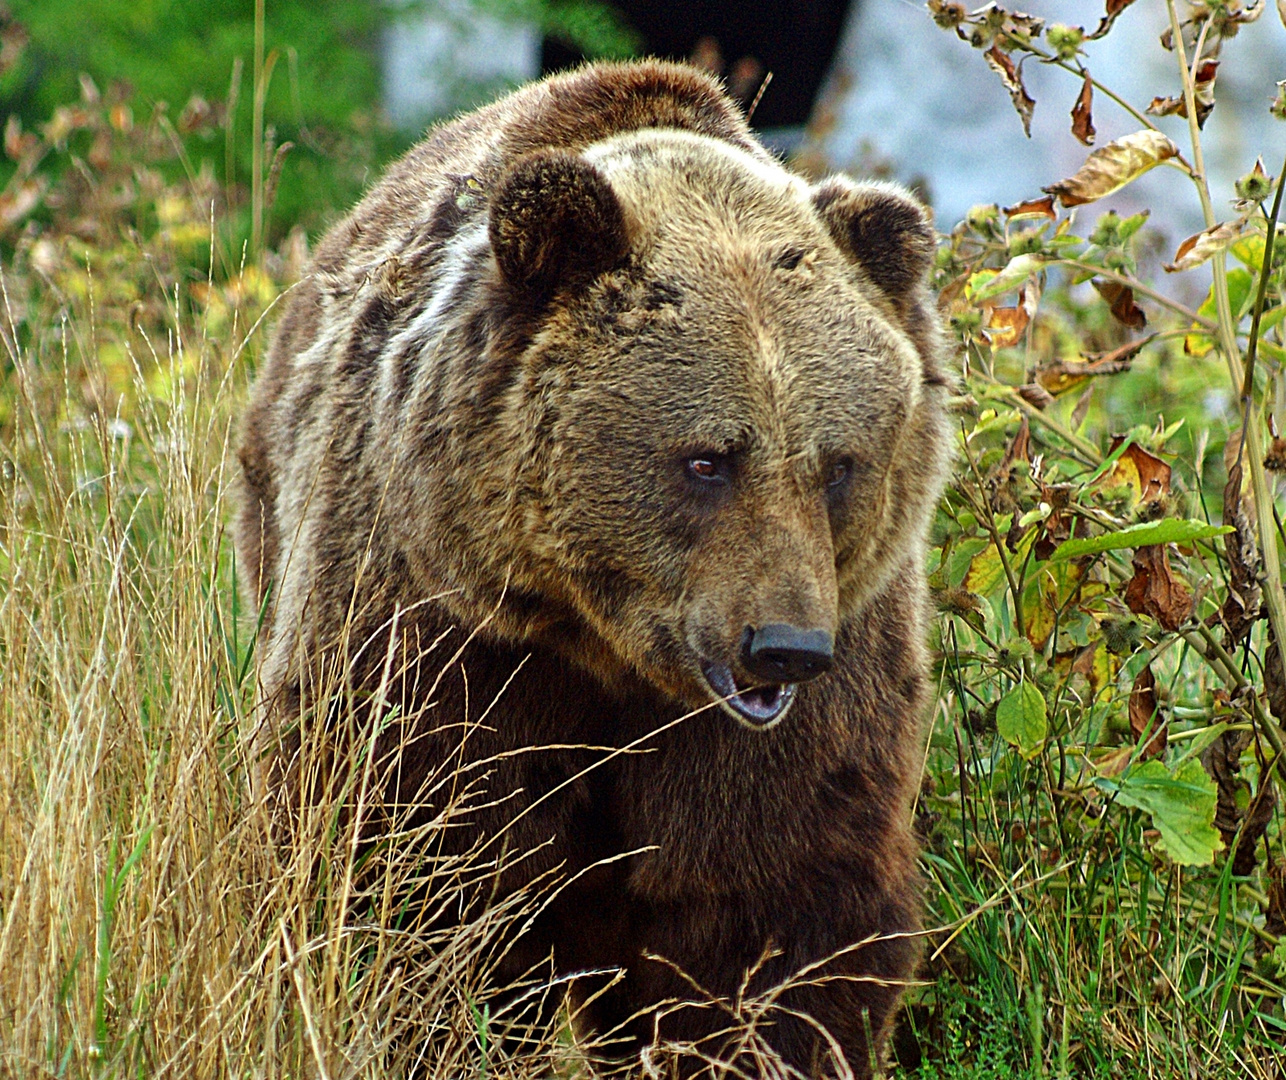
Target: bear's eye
[
  {"x": 708, "y": 469},
  {"x": 840, "y": 472},
  {"x": 789, "y": 259}
]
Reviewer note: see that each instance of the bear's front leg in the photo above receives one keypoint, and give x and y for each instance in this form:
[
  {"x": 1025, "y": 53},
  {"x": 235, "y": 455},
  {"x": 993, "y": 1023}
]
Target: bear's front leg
[{"x": 800, "y": 978}]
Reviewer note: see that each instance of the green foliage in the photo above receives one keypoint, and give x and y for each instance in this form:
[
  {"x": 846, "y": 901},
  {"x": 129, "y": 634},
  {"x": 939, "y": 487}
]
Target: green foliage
[
  {"x": 1105, "y": 844},
  {"x": 1104, "y": 852},
  {"x": 1143, "y": 534},
  {"x": 1021, "y": 719},
  {"x": 323, "y": 96},
  {"x": 193, "y": 64},
  {"x": 1182, "y": 806}
]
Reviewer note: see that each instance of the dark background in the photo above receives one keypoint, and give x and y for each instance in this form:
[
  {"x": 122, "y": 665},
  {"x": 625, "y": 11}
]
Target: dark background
[{"x": 793, "y": 39}]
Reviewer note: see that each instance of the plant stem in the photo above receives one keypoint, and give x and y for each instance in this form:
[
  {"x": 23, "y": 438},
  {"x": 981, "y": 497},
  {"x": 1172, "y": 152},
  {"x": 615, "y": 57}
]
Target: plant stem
[
  {"x": 1080, "y": 71},
  {"x": 1087, "y": 451},
  {"x": 989, "y": 523},
  {"x": 1252, "y": 348},
  {"x": 1204, "y": 642},
  {"x": 256, "y": 147},
  {"x": 1142, "y": 290},
  {"x": 1274, "y": 596}
]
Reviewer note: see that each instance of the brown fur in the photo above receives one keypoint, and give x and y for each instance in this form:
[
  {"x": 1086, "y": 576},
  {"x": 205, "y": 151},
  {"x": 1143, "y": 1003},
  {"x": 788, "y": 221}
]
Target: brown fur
[{"x": 477, "y": 411}]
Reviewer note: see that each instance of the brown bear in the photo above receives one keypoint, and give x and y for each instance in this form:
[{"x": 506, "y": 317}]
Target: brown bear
[{"x": 649, "y": 430}]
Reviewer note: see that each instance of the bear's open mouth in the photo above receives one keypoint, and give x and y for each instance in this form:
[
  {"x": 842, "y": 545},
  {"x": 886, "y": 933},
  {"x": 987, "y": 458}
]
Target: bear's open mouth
[{"x": 759, "y": 706}]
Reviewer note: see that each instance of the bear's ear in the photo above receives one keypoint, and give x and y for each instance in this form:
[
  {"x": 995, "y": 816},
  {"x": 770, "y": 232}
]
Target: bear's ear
[
  {"x": 883, "y": 228},
  {"x": 555, "y": 223}
]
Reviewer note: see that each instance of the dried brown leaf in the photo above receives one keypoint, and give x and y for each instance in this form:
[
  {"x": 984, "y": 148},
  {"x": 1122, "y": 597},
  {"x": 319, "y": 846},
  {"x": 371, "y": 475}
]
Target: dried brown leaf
[
  {"x": 1145, "y": 719},
  {"x": 1114, "y": 764},
  {"x": 1259, "y": 814},
  {"x": 1111, "y": 167},
  {"x": 1204, "y": 90},
  {"x": 1167, "y": 106},
  {"x": 17, "y": 143},
  {"x": 1274, "y": 684},
  {"x": 1197, "y": 249},
  {"x": 1222, "y": 762},
  {"x": 1006, "y": 325},
  {"x": 1011, "y": 75},
  {"x": 1043, "y": 207},
  {"x": 1113, "y": 9},
  {"x": 1037, "y": 395},
  {"x": 1019, "y": 448},
  {"x": 1118, "y": 359},
  {"x": 1121, "y": 300},
  {"x": 1154, "y": 474},
  {"x": 1240, "y": 609},
  {"x": 1155, "y": 591},
  {"x": 16, "y": 205},
  {"x": 1082, "y": 117},
  {"x": 1146, "y": 473},
  {"x": 1203, "y": 95},
  {"x": 1062, "y": 375}
]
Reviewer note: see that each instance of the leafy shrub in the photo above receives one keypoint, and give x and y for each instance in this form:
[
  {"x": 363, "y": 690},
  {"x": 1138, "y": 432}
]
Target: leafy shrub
[{"x": 1105, "y": 841}]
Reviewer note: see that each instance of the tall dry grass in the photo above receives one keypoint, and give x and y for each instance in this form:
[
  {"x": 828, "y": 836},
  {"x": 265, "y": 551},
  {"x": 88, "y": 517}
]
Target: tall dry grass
[
  {"x": 151, "y": 922},
  {"x": 157, "y": 918}
]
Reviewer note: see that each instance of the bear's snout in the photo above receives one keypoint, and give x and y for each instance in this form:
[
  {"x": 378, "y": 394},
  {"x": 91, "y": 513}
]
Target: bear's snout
[{"x": 783, "y": 653}]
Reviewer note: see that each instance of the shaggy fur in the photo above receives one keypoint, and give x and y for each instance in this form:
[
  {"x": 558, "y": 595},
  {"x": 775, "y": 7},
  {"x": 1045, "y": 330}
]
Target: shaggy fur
[{"x": 480, "y": 411}]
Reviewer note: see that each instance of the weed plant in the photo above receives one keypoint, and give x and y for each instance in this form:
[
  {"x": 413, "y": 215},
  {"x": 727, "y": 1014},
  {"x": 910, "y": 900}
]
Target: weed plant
[{"x": 1100, "y": 802}]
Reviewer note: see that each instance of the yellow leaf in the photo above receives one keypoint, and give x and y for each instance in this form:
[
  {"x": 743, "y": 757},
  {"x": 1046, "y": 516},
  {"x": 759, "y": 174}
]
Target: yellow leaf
[
  {"x": 985, "y": 572},
  {"x": 1113, "y": 166},
  {"x": 1197, "y": 249}
]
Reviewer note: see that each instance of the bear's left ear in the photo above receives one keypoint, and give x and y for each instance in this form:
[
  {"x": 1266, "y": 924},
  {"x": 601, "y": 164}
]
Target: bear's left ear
[
  {"x": 882, "y": 227},
  {"x": 555, "y": 223}
]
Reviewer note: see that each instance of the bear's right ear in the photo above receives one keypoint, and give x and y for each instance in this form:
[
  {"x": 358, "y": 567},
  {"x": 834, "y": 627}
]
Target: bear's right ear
[
  {"x": 883, "y": 228},
  {"x": 555, "y": 223}
]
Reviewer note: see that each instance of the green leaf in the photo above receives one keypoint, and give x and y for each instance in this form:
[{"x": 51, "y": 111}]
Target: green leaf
[
  {"x": 985, "y": 285},
  {"x": 1130, "y": 225},
  {"x": 1166, "y": 531},
  {"x": 1200, "y": 739},
  {"x": 1271, "y": 318},
  {"x": 1182, "y": 807},
  {"x": 961, "y": 558},
  {"x": 1272, "y": 351},
  {"x": 1021, "y": 719},
  {"x": 986, "y": 572},
  {"x": 1240, "y": 291},
  {"x": 1249, "y": 249}
]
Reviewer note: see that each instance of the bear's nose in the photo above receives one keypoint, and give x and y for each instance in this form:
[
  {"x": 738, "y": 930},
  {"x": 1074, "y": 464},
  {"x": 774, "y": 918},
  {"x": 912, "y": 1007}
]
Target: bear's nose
[{"x": 782, "y": 653}]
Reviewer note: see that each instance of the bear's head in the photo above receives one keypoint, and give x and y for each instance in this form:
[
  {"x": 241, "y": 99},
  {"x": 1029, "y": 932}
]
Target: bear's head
[{"x": 726, "y": 414}]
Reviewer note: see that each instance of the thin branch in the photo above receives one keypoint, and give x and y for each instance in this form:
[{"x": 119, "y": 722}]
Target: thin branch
[
  {"x": 1143, "y": 290},
  {"x": 1274, "y": 596}
]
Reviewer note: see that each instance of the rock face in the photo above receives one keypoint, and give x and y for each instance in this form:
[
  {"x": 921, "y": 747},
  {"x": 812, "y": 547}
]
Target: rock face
[{"x": 594, "y": 417}]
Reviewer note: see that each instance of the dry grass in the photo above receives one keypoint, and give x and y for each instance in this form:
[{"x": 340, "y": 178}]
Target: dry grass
[
  {"x": 157, "y": 918},
  {"x": 151, "y": 924}
]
